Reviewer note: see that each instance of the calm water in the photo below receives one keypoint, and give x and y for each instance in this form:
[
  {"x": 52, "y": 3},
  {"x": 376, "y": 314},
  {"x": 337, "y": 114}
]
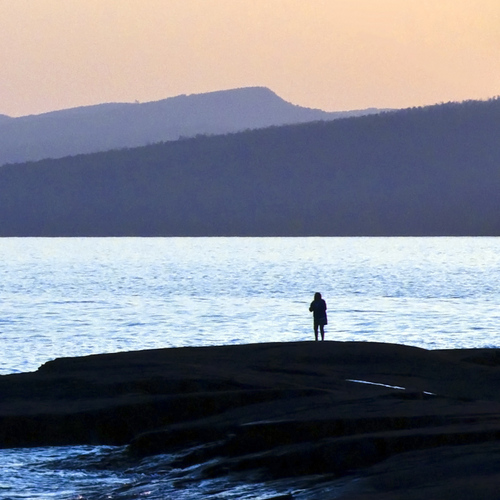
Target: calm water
[{"x": 72, "y": 297}]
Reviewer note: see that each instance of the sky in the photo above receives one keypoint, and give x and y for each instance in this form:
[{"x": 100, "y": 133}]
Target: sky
[{"x": 330, "y": 54}]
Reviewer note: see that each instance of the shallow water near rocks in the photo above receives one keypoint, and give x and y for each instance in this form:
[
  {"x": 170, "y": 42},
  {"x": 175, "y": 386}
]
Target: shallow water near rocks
[
  {"x": 73, "y": 297},
  {"x": 103, "y": 472}
]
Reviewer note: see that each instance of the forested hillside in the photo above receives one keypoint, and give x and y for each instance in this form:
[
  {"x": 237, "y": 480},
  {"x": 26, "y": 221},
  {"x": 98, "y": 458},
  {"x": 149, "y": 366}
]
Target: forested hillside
[
  {"x": 103, "y": 127},
  {"x": 423, "y": 171}
]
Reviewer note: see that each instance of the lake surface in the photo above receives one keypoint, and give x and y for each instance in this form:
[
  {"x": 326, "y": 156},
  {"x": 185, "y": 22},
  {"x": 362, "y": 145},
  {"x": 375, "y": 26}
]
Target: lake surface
[
  {"x": 72, "y": 297},
  {"x": 79, "y": 296}
]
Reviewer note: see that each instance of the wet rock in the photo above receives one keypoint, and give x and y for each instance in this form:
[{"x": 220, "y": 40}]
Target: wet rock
[{"x": 281, "y": 409}]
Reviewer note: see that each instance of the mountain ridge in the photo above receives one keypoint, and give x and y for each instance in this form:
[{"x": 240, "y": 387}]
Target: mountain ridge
[
  {"x": 430, "y": 171},
  {"x": 108, "y": 126}
]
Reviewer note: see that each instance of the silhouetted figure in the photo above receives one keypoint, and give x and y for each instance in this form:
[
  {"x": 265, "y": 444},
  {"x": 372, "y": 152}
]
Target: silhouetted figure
[{"x": 318, "y": 308}]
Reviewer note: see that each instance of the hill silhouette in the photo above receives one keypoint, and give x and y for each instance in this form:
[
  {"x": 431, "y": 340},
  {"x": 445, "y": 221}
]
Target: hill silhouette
[
  {"x": 421, "y": 171},
  {"x": 113, "y": 126}
]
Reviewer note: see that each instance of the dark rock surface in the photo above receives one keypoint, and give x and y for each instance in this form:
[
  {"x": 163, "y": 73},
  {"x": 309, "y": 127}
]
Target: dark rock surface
[{"x": 408, "y": 422}]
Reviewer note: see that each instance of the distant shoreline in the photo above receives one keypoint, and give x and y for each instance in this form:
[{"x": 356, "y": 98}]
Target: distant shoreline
[{"x": 419, "y": 172}]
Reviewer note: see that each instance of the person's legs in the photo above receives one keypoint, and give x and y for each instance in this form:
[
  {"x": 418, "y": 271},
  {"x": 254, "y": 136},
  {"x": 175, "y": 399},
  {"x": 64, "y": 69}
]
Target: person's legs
[
  {"x": 322, "y": 329},
  {"x": 316, "y": 330}
]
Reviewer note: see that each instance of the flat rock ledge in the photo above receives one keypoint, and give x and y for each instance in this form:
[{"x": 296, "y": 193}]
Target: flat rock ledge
[{"x": 406, "y": 422}]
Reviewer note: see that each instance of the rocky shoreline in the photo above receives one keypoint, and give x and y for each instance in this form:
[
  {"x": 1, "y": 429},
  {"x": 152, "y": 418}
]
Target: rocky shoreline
[{"x": 409, "y": 423}]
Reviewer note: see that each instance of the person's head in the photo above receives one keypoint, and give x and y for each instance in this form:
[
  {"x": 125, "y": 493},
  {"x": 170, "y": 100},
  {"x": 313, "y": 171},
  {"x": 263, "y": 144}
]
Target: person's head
[{"x": 317, "y": 296}]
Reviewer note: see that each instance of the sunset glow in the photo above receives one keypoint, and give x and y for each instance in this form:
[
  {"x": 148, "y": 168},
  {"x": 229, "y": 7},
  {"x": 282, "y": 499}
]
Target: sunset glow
[{"x": 328, "y": 54}]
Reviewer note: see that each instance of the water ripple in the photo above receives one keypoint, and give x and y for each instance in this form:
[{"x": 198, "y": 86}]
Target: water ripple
[{"x": 69, "y": 297}]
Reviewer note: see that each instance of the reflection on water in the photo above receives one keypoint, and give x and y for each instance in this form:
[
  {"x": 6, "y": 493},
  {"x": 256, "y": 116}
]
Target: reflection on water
[{"x": 78, "y": 296}]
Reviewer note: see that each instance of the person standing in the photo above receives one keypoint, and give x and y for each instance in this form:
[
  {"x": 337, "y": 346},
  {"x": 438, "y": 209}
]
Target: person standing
[{"x": 318, "y": 308}]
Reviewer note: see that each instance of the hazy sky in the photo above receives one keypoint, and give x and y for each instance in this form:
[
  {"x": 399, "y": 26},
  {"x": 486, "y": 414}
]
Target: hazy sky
[{"x": 328, "y": 54}]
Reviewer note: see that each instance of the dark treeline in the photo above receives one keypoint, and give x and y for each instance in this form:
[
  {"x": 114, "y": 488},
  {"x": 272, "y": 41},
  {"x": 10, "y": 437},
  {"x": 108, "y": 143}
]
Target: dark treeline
[{"x": 421, "y": 171}]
